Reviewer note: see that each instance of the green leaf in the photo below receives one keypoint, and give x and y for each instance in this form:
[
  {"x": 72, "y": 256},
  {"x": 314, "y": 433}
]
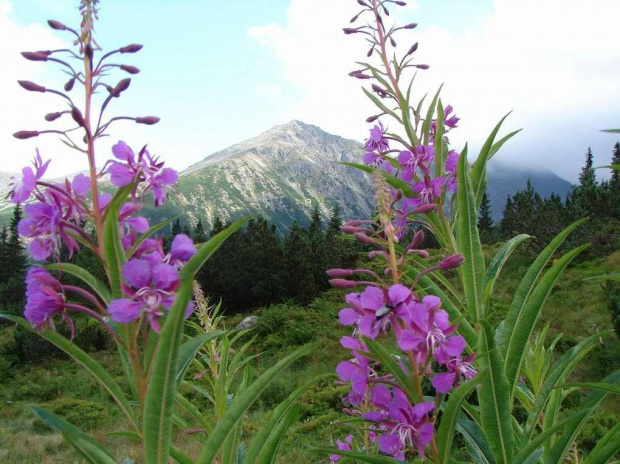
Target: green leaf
[
  {"x": 613, "y": 167},
  {"x": 357, "y": 456},
  {"x": 611, "y": 131},
  {"x": 562, "y": 445},
  {"x": 113, "y": 252},
  {"x": 531, "y": 276},
  {"x": 604, "y": 277},
  {"x": 242, "y": 402},
  {"x": 475, "y": 441},
  {"x": 468, "y": 240},
  {"x": 479, "y": 169},
  {"x": 93, "y": 367},
  {"x": 561, "y": 370},
  {"x": 193, "y": 410},
  {"x": 494, "y": 397},
  {"x": 88, "y": 448},
  {"x": 179, "y": 456},
  {"x": 439, "y": 153},
  {"x": 606, "y": 447},
  {"x": 188, "y": 351},
  {"x": 258, "y": 441},
  {"x": 426, "y": 126},
  {"x": 449, "y": 418},
  {"x": 269, "y": 451},
  {"x": 146, "y": 235},
  {"x": 497, "y": 263},
  {"x": 529, "y": 315},
  {"x": 390, "y": 179},
  {"x": 596, "y": 386},
  {"x": 95, "y": 284},
  {"x": 381, "y": 106}
]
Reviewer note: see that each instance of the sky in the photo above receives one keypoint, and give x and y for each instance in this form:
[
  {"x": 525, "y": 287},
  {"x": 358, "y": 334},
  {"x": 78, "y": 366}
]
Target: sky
[{"x": 220, "y": 71}]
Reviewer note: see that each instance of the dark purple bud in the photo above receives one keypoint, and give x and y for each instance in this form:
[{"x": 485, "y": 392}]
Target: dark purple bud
[
  {"x": 422, "y": 66},
  {"x": 354, "y": 18},
  {"x": 31, "y": 86},
  {"x": 413, "y": 49},
  {"x": 372, "y": 118},
  {"x": 410, "y": 26},
  {"x": 340, "y": 272},
  {"x": 387, "y": 271},
  {"x": 401, "y": 3},
  {"x": 386, "y": 11},
  {"x": 421, "y": 253},
  {"x": 76, "y": 114},
  {"x": 88, "y": 51},
  {"x": 35, "y": 56},
  {"x": 425, "y": 209},
  {"x": 381, "y": 92},
  {"x": 121, "y": 87},
  {"x": 341, "y": 283},
  {"x": 148, "y": 120},
  {"x": 363, "y": 238},
  {"x": 350, "y": 229},
  {"x": 69, "y": 84},
  {"x": 373, "y": 254},
  {"x": 451, "y": 262},
  {"x": 417, "y": 240},
  {"x": 22, "y": 135},
  {"x": 393, "y": 42},
  {"x": 132, "y": 48},
  {"x": 52, "y": 116},
  {"x": 370, "y": 51},
  {"x": 397, "y": 196},
  {"x": 129, "y": 69},
  {"x": 362, "y": 2},
  {"x": 353, "y": 223},
  {"x": 57, "y": 25},
  {"x": 350, "y": 30}
]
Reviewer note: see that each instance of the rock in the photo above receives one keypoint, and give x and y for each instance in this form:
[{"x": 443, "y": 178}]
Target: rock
[{"x": 247, "y": 323}]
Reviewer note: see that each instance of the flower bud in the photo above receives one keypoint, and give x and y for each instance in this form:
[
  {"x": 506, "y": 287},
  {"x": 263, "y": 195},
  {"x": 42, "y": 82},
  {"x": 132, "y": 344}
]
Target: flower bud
[
  {"x": 354, "y": 18},
  {"x": 373, "y": 254},
  {"x": 148, "y": 120},
  {"x": 363, "y": 238},
  {"x": 76, "y": 114},
  {"x": 132, "y": 48},
  {"x": 362, "y": 2},
  {"x": 387, "y": 271},
  {"x": 410, "y": 26},
  {"x": 129, "y": 69},
  {"x": 57, "y": 25},
  {"x": 417, "y": 240},
  {"x": 393, "y": 42},
  {"x": 69, "y": 84},
  {"x": 425, "y": 208},
  {"x": 31, "y": 86},
  {"x": 35, "y": 56},
  {"x": 120, "y": 87},
  {"x": 422, "y": 66},
  {"x": 350, "y": 30},
  {"x": 52, "y": 116},
  {"x": 353, "y": 223},
  {"x": 89, "y": 52},
  {"x": 451, "y": 262},
  {"x": 22, "y": 135},
  {"x": 350, "y": 229},
  {"x": 339, "y": 272},
  {"x": 369, "y": 54},
  {"x": 342, "y": 283},
  {"x": 400, "y": 3},
  {"x": 372, "y": 118},
  {"x": 413, "y": 49},
  {"x": 421, "y": 253}
]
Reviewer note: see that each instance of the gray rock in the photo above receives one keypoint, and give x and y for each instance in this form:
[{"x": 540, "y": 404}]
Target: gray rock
[{"x": 247, "y": 323}]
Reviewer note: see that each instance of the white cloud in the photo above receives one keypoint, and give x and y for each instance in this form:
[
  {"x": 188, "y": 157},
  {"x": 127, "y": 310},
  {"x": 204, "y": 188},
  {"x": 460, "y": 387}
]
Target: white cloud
[{"x": 556, "y": 63}]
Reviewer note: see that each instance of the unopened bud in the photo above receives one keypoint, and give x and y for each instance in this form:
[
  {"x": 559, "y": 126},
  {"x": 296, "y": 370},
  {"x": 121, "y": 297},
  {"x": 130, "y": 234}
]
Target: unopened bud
[
  {"x": 35, "y": 56},
  {"x": 411, "y": 26},
  {"x": 374, "y": 253},
  {"x": 31, "y": 86},
  {"x": 401, "y": 3},
  {"x": 417, "y": 240},
  {"x": 76, "y": 114},
  {"x": 148, "y": 120},
  {"x": 422, "y": 66},
  {"x": 372, "y": 118},
  {"x": 350, "y": 229},
  {"x": 451, "y": 262},
  {"x": 421, "y": 253},
  {"x": 362, "y": 2},
  {"x": 121, "y": 87},
  {"x": 387, "y": 271},
  {"x": 413, "y": 49},
  {"x": 378, "y": 89},
  {"x": 372, "y": 49},
  {"x": 425, "y": 208},
  {"x": 353, "y": 223},
  {"x": 354, "y": 18},
  {"x": 129, "y": 69},
  {"x": 57, "y": 25},
  {"x": 350, "y": 30},
  {"x": 393, "y": 42},
  {"x": 341, "y": 283},
  {"x": 363, "y": 238},
  {"x": 132, "y": 48},
  {"x": 69, "y": 84},
  {"x": 22, "y": 135},
  {"x": 88, "y": 51},
  {"x": 52, "y": 116},
  {"x": 340, "y": 272}
]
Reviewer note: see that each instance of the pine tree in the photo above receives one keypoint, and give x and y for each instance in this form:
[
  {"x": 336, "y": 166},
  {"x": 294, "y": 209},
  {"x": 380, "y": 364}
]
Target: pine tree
[
  {"x": 200, "y": 235},
  {"x": 297, "y": 255},
  {"x": 587, "y": 177},
  {"x": 14, "y": 264},
  {"x": 485, "y": 222},
  {"x": 186, "y": 230},
  {"x": 318, "y": 258},
  {"x": 176, "y": 228},
  {"x": 508, "y": 222}
]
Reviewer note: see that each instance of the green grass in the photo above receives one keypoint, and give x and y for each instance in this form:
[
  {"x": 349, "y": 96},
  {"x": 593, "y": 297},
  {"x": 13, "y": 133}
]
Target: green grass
[{"x": 576, "y": 309}]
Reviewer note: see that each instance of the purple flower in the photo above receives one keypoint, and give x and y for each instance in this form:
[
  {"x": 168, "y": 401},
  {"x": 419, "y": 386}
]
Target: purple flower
[
  {"x": 357, "y": 371},
  {"x": 144, "y": 169},
  {"x": 44, "y": 298},
  {"x": 429, "y": 189},
  {"x": 457, "y": 369},
  {"x": 374, "y": 309},
  {"x": 377, "y": 141},
  {"x": 23, "y": 186},
  {"x": 342, "y": 446},
  {"x": 451, "y": 164},
  {"x": 450, "y": 121},
  {"x": 150, "y": 287},
  {"x": 423, "y": 157}
]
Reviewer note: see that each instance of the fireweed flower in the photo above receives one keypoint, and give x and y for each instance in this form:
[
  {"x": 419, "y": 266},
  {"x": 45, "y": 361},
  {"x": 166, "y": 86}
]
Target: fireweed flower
[
  {"x": 422, "y": 158},
  {"x": 150, "y": 287},
  {"x": 377, "y": 141},
  {"x": 357, "y": 371},
  {"x": 23, "y": 186},
  {"x": 44, "y": 298},
  {"x": 342, "y": 446},
  {"x": 143, "y": 168},
  {"x": 374, "y": 309},
  {"x": 457, "y": 369},
  {"x": 181, "y": 251}
]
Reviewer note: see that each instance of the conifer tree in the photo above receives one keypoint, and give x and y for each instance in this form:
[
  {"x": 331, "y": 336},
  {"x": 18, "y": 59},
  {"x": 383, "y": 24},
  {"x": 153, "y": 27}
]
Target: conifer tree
[
  {"x": 297, "y": 254},
  {"x": 200, "y": 235},
  {"x": 508, "y": 222},
  {"x": 614, "y": 181},
  {"x": 485, "y": 222},
  {"x": 176, "y": 228},
  {"x": 186, "y": 230},
  {"x": 14, "y": 264},
  {"x": 316, "y": 241}
]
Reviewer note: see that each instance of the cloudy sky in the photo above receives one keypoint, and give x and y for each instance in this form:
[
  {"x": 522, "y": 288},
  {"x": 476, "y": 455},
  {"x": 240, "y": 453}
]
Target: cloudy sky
[{"x": 220, "y": 71}]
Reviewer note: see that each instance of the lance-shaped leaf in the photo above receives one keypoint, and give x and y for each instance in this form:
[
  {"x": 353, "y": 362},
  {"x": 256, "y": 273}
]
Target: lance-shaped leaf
[
  {"x": 88, "y": 448},
  {"x": 468, "y": 240},
  {"x": 269, "y": 451},
  {"x": 95, "y": 284},
  {"x": 494, "y": 397},
  {"x": 426, "y": 126},
  {"x": 475, "y": 441},
  {"x": 140, "y": 240},
  {"x": 358, "y": 456},
  {"x": 189, "y": 349},
  {"x": 529, "y": 315},
  {"x": 606, "y": 448}
]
